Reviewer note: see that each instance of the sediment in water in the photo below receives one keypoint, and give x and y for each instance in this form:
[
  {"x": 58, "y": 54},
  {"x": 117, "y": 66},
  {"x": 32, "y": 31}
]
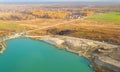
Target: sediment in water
[{"x": 2, "y": 47}]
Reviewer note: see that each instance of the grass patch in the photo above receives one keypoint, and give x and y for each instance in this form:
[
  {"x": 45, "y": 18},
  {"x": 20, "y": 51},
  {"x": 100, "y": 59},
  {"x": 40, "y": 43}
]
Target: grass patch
[
  {"x": 10, "y": 26},
  {"x": 113, "y": 17}
]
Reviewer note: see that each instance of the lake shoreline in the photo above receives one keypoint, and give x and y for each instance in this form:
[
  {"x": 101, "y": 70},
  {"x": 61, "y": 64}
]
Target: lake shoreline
[
  {"x": 85, "y": 48},
  {"x": 99, "y": 60}
]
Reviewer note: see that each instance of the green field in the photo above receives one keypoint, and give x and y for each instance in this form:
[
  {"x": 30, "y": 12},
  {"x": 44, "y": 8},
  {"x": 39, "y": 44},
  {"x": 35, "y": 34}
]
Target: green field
[
  {"x": 10, "y": 26},
  {"x": 113, "y": 17}
]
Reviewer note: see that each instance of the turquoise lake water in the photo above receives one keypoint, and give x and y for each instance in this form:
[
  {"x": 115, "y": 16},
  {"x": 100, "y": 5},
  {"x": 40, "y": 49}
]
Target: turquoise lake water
[{"x": 27, "y": 55}]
